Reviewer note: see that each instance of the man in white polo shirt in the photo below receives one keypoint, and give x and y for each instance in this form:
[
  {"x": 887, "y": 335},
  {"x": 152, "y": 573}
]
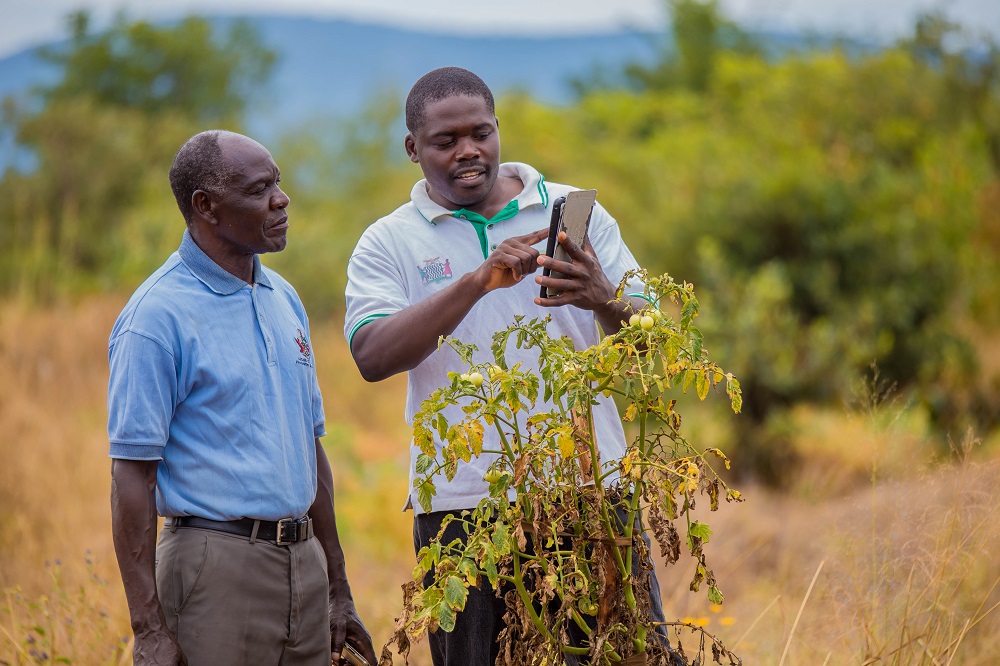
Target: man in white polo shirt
[{"x": 455, "y": 260}]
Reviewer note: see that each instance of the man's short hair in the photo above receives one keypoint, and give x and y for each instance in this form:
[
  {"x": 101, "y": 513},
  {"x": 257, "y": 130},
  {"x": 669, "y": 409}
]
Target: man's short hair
[
  {"x": 440, "y": 84},
  {"x": 199, "y": 165}
]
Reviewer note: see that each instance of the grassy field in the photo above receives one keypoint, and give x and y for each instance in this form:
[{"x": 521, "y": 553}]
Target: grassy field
[{"x": 880, "y": 552}]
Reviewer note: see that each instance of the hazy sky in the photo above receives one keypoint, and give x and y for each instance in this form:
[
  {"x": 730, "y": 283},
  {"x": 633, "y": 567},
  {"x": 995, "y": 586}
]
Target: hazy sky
[{"x": 31, "y": 22}]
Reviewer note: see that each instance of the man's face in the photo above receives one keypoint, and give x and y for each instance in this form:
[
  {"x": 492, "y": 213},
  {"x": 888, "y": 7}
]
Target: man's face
[
  {"x": 251, "y": 211},
  {"x": 458, "y": 149}
]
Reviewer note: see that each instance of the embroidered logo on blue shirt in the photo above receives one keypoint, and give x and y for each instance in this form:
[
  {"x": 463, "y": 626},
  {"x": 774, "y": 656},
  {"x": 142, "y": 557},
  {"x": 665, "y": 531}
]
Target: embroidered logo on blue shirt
[
  {"x": 304, "y": 349},
  {"x": 434, "y": 271}
]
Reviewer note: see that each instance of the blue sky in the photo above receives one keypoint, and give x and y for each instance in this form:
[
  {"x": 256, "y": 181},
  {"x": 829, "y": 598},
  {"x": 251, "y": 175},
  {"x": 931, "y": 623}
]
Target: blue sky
[{"x": 31, "y": 22}]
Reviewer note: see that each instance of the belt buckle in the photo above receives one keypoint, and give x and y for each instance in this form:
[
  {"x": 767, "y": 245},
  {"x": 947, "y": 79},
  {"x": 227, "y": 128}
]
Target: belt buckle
[{"x": 293, "y": 525}]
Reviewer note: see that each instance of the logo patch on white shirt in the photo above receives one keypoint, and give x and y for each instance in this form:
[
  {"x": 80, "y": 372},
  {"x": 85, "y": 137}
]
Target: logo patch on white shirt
[{"x": 434, "y": 270}]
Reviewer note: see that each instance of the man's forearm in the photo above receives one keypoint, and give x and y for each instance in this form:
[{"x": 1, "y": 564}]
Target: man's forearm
[
  {"x": 401, "y": 341},
  {"x": 325, "y": 523},
  {"x": 133, "y": 526}
]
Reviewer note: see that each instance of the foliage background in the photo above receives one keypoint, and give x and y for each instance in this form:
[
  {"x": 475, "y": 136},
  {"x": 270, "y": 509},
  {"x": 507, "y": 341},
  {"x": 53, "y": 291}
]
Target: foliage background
[{"x": 839, "y": 213}]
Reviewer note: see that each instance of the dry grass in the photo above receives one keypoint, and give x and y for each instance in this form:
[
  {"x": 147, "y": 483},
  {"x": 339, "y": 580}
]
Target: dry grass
[{"x": 908, "y": 547}]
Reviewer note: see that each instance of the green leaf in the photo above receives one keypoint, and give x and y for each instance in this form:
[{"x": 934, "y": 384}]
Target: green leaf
[
  {"x": 425, "y": 491},
  {"x": 455, "y": 593},
  {"x": 424, "y": 463},
  {"x": 696, "y": 343},
  {"x": 700, "y": 530},
  {"x": 446, "y": 617},
  {"x": 715, "y": 595},
  {"x": 492, "y": 575},
  {"x": 501, "y": 539}
]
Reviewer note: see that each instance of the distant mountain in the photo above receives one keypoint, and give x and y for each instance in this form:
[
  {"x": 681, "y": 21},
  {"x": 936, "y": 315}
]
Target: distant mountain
[{"x": 334, "y": 66}]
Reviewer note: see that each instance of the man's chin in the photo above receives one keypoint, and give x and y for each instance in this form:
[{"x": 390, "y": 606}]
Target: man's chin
[{"x": 275, "y": 244}]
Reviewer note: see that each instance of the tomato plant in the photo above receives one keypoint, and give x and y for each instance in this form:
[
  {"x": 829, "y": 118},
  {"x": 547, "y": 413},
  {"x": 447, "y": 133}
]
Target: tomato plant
[{"x": 559, "y": 528}]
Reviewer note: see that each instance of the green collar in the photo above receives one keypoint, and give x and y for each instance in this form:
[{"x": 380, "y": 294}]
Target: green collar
[{"x": 480, "y": 223}]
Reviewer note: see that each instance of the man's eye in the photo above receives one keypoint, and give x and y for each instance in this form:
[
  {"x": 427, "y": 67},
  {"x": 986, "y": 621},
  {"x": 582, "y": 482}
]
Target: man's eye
[{"x": 445, "y": 144}]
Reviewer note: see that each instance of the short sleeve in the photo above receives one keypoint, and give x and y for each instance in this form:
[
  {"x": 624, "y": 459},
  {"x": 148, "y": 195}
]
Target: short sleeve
[
  {"x": 142, "y": 391},
  {"x": 615, "y": 257},
  {"x": 375, "y": 287}
]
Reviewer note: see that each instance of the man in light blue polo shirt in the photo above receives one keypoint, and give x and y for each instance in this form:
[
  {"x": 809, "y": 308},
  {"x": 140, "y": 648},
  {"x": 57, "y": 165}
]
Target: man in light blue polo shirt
[
  {"x": 454, "y": 261},
  {"x": 214, "y": 420}
]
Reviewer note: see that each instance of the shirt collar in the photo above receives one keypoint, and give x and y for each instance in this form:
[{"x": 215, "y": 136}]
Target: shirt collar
[
  {"x": 534, "y": 192},
  {"x": 212, "y": 274}
]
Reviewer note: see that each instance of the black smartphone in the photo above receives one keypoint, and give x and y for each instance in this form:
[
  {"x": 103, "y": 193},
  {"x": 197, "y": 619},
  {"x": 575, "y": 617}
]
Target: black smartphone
[{"x": 571, "y": 214}]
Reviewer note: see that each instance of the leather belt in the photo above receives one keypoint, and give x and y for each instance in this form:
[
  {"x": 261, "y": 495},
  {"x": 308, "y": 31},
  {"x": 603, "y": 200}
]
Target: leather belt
[{"x": 282, "y": 532}]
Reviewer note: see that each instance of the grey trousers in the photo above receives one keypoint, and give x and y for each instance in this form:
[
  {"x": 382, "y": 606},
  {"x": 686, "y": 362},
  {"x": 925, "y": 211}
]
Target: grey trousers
[{"x": 230, "y": 602}]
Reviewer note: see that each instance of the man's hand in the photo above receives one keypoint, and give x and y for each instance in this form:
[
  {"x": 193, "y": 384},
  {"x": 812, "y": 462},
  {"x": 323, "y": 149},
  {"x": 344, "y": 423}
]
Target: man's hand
[
  {"x": 345, "y": 625},
  {"x": 510, "y": 262},
  {"x": 584, "y": 285},
  {"x": 157, "y": 649}
]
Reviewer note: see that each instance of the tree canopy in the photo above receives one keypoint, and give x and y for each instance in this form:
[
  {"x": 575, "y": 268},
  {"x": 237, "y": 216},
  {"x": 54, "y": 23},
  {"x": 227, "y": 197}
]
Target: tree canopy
[{"x": 837, "y": 210}]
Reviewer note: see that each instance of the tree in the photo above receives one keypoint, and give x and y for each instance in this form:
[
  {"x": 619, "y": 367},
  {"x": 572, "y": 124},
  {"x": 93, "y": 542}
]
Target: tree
[
  {"x": 826, "y": 207},
  {"x": 686, "y": 53},
  {"x": 185, "y": 68},
  {"x": 126, "y": 99}
]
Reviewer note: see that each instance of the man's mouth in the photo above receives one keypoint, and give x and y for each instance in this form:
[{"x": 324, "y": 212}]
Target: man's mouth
[
  {"x": 470, "y": 174},
  {"x": 282, "y": 225}
]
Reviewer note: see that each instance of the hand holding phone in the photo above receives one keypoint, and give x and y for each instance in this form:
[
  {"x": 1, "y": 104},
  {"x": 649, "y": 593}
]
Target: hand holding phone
[
  {"x": 351, "y": 657},
  {"x": 571, "y": 214}
]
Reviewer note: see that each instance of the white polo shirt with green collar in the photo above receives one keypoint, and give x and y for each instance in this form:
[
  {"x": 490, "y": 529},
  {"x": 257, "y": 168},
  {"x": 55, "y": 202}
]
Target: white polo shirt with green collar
[{"x": 421, "y": 248}]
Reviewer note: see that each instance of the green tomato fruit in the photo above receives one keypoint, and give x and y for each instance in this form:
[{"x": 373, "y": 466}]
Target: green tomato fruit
[
  {"x": 634, "y": 320},
  {"x": 464, "y": 376},
  {"x": 492, "y": 475},
  {"x": 646, "y": 322},
  {"x": 476, "y": 378}
]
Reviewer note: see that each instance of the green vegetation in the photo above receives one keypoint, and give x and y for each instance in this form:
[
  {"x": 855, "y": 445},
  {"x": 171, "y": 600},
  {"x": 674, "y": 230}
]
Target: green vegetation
[
  {"x": 839, "y": 212},
  {"x": 834, "y": 208},
  {"x": 561, "y": 529},
  {"x": 94, "y": 212}
]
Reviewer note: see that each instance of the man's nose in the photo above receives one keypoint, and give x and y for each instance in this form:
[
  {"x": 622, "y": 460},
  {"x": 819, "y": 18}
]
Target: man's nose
[
  {"x": 281, "y": 200},
  {"x": 467, "y": 149}
]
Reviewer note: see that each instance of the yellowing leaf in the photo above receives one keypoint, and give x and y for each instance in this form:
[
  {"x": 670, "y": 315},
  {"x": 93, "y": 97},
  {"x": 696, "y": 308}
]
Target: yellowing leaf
[
  {"x": 566, "y": 443},
  {"x": 701, "y": 383}
]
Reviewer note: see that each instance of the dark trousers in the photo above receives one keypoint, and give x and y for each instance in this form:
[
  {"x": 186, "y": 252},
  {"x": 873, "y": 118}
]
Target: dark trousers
[{"x": 473, "y": 641}]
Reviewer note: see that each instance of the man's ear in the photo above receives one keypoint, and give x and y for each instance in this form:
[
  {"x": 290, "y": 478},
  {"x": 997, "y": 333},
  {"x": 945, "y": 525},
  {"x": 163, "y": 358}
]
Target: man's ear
[
  {"x": 201, "y": 206},
  {"x": 411, "y": 148}
]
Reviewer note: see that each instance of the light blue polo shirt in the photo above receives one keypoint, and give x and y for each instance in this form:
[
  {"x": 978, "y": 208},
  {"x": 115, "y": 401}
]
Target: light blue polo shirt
[
  {"x": 421, "y": 248},
  {"x": 217, "y": 380}
]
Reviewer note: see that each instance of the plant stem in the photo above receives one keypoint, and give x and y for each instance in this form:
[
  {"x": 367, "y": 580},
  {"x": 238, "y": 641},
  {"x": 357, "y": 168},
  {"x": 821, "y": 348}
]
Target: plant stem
[{"x": 518, "y": 580}]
